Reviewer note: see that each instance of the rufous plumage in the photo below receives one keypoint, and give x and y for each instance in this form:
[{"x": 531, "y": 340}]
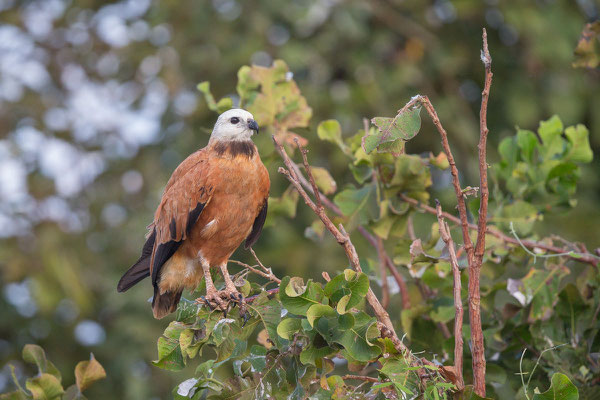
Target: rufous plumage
[{"x": 214, "y": 200}]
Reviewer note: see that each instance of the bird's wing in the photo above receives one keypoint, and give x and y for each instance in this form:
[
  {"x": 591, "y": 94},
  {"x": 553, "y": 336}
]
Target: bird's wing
[
  {"x": 259, "y": 221},
  {"x": 187, "y": 193}
]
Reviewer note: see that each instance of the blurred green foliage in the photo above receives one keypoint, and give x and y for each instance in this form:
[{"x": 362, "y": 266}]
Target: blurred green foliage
[{"x": 71, "y": 228}]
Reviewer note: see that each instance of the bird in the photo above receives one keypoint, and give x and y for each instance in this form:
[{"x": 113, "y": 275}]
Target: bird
[{"x": 215, "y": 199}]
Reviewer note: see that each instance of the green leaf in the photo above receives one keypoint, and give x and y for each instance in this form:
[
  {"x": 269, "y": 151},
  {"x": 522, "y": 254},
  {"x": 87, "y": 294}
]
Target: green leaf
[
  {"x": 579, "y": 142},
  {"x": 358, "y": 205},
  {"x": 331, "y": 131},
  {"x": 527, "y": 142},
  {"x": 288, "y": 326},
  {"x": 269, "y": 312},
  {"x": 324, "y": 181},
  {"x": 303, "y": 297},
  {"x": 523, "y": 216},
  {"x": 88, "y": 372},
  {"x": 550, "y": 131},
  {"x": 403, "y": 126},
  {"x": 169, "y": 352},
  {"x": 317, "y": 311},
  {"x": 347, "y": 289},
  {"x": 356, "y": 339},
  {"x": 223, "y": 105},
  {"x": 44, "y": 387},
  {"x": 561, "y": 388},
  {"x": 311, "y": 354},
  {"x": 257, "y": 358}
]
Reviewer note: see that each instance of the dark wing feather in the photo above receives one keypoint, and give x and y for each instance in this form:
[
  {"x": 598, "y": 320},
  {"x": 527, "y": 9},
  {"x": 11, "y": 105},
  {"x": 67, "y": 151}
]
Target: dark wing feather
[
  {"x": 187, "y": 193},
  {"x": 141, "y": 268},
  {"x": 257, "y": 226}
]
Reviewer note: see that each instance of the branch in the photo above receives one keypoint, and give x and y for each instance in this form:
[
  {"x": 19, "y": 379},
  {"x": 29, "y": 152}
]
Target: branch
[
  {"x": 586, "y": 257},
  {"x": 462, "y": 209},
  {"x": 458, "y": 308},
  {"x": 342, "y": 237},
  {"x": 475, "y": 260},
  {"x": 385, "y": 301},
  {"x": 363, "y": 231}
]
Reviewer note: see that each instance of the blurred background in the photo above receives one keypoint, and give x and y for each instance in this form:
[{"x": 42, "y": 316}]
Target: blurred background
[{"x": 98, "y": 105}]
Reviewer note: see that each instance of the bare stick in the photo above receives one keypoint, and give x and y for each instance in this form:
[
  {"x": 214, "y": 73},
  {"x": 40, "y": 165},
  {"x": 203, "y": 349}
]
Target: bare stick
[
  {"x": 361, "y": 378},
  {"x": 311, "y": 179},
  {"x": 385, "y": 301},
  {"x": 458, "y": 308},
  {"x": 478, "y": 350}
]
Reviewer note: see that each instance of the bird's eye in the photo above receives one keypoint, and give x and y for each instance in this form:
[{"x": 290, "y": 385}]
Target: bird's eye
[{"x": 235, "y": 120}]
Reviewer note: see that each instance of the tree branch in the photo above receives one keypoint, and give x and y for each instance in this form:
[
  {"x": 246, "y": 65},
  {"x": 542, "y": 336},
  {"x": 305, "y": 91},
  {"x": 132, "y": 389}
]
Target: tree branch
[
  {"x": 475, "y": 261},
  {"x": 462, "y": 209},
  {"x": 363, "y": 231},
  {"x": 342, "y": 237},
  {"x": 458, "y": 307}
]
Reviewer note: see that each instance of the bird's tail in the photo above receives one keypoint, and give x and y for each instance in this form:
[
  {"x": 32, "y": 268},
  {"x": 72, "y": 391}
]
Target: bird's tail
[
  {"x": 140, "y": 269},
  {"x": 136, "y": 273},
  {"x": 164, "y": 303}
]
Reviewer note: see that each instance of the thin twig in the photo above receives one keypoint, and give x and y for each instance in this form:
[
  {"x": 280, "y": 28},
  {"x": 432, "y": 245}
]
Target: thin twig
[
  {"x": 458, "y": 308},
  {"x": 385, "y": 301},
  {"x": 361, "y": 378},
  {"x": 462, "y": 209},
  {"x": 268, "y": 276},
  {"x": 587, "y": 258}
]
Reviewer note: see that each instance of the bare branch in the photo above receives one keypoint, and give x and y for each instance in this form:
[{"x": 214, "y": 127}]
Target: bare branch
[
  {"x": 385, "y": 301},
  {"x": 458, "y": 308},
  {"x": 311, "y": 179},
  {"x": 462, "y": 209},
  {"x": 476, "y": 259}
]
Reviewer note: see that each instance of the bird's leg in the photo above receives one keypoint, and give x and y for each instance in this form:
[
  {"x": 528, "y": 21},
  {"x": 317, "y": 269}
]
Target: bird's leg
[
  {"x": 230, "y": 288},
  {"x": 231, "y": 291},
  {"x": 212, "y": 295}
]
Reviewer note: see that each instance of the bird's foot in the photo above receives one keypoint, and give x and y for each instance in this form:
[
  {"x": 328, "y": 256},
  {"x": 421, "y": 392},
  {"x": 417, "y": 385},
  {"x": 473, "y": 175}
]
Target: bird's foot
[
  {"x": 214, "y": 299},
  {"x": 235, "y": 297}
]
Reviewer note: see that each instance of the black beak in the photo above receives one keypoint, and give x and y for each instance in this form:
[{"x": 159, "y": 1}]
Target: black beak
[{"x": 253, "y": 125}]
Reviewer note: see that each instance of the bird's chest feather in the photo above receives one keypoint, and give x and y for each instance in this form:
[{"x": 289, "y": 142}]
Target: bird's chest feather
[{"x": 228, "y": 218}]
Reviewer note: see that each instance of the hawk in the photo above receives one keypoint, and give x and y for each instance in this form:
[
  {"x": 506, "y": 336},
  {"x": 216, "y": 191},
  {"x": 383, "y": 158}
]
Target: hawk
[{"x": 215, "y": 199}]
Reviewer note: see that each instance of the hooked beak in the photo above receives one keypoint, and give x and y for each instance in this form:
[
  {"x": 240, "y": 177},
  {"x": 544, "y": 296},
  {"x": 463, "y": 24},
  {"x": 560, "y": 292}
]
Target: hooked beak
[{"x": 253, "y": 125}]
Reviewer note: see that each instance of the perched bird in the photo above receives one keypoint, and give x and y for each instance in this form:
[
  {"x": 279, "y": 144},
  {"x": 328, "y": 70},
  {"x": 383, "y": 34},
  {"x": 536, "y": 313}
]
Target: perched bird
[{"x": 216, "y": 198}]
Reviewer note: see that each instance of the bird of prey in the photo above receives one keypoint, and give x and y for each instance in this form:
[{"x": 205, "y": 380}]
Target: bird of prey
[{"x": 216, "y": 198}]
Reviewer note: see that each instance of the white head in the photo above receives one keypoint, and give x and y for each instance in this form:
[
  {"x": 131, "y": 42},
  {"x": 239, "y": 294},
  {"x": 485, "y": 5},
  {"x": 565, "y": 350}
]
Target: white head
[{"x": 234, "y": 124}]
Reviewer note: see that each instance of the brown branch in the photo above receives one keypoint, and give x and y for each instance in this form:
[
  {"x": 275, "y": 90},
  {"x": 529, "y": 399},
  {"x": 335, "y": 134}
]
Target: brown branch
[
  {"x": 361, "y": 378},
  {"x": 270, "y": 276},
  {"x": 477, "y": 349},
  {"x": 270, "y": 292},
  {"x": 363, "y": 231},
  {"x": 587, "y": 257},
  {"x": 458, "y": 307},
  {"x": 343, "y": 239},
  {"x": 462, "y": 209},
  {"x": 385, "y": 300},
  {"x": 391, "y": 267}
]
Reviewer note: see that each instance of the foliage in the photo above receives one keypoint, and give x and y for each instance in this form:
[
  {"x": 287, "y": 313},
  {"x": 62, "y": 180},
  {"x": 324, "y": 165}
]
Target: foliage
[
  {"x": 307, "y": 326},
  {"x": 47, "y": 384},
  {"x": 98, "y": 106}
]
